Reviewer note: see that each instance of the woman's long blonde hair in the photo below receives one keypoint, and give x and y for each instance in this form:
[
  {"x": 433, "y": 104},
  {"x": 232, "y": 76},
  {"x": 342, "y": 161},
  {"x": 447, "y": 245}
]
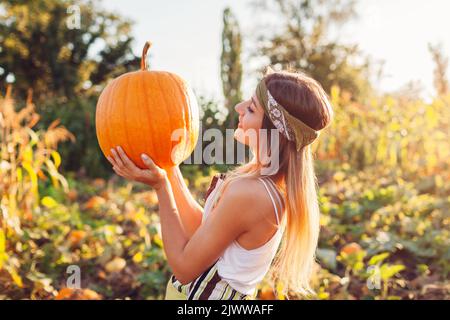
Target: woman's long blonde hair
[{"x": 305, "y": 99}]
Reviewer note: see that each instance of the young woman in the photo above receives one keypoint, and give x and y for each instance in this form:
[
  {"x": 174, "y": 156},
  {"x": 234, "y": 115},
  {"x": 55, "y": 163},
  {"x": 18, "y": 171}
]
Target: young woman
[{"x": 222, "y": 251}]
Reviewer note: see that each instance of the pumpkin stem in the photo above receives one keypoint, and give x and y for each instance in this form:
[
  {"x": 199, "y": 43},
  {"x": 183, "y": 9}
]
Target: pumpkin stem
[
  {"x": 148, "y": 44},
  {"x": 8, "y": 92},
  {"x": 30, "y": 96}
]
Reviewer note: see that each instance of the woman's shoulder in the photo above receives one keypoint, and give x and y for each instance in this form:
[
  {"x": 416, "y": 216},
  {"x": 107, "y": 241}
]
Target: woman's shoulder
[
  {"x": 247, "y": 186},
  {"x": 251, "y": 186},
  {"x": 252, "y": 193}
]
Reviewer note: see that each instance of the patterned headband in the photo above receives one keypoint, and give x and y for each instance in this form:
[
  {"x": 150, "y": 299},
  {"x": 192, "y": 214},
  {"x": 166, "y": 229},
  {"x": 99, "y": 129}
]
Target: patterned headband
[{"x": 291, "y": 127}]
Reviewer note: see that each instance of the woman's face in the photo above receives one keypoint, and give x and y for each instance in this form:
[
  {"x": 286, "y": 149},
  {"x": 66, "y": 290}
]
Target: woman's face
[{"x": 251, "y": 116}]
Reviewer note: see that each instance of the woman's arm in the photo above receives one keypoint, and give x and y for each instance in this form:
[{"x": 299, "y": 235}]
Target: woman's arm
[
  {"x": 189, "y": 210},
  {"x": 189, "y": 257}
]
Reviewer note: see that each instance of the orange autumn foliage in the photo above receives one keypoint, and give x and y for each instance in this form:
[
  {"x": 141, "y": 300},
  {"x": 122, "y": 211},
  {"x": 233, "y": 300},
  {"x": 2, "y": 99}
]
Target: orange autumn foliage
[
  {"x": 266, "y": 294},
  {"x": 351, "y": 248},
  {"x": 76, "y": 236},
  {"x": 94, "y": 202},
  {"x": 77, "y": 294}
]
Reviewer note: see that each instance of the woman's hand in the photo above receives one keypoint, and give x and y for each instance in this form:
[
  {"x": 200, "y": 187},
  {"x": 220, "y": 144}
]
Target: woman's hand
[{"x": 124, "y": 167}]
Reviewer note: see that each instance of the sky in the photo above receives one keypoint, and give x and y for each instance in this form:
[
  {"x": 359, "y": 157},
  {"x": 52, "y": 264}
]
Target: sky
[{"x": 186, "y": 37}]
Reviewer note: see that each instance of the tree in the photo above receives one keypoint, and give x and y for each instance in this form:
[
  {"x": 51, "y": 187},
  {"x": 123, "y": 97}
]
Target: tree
[
  {"x": 440, "y": 69},
  {"x": 65, "y": 50},
  {"x": 231, "y": 66},
  {"x": 302, "y": 41},
  {"x": 50, "y": 46}
]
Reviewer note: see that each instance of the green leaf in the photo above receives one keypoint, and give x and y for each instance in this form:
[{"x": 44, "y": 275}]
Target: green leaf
[
  {"x": 158, "y": 241},
  {"x": 323, "y": 295},
  {"x": 56, "y": 158},
  {"x": 378, "y": 258},
  {"x": 49, "y": 202},
  {"x": 2, "y": 241},
  {"x": 16, "y": 278},
  {"x": 327, "y": 257},
  {"x": 388, "y": 271},
  {"x": 3, "y": 255},
  {"x": 358, "y": 266},
  {"x": 137, "y": 258}
]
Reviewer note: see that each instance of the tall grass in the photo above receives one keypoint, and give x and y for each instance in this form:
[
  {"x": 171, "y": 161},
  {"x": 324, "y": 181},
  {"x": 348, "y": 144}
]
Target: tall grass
[
  {"x": 394, "y": 132},
  {"x": 26, "y": 157}
]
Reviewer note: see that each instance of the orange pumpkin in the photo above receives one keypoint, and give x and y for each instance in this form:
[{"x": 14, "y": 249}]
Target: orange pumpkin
[{"x": 152, "y": 112}]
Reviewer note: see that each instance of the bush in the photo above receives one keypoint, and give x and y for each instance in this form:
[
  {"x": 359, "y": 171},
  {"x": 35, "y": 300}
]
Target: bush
[{"x": 78, "y": 116}]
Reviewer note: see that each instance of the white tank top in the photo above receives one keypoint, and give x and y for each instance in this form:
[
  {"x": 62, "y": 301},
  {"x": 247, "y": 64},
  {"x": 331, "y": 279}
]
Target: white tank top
[{"x": 243, "y": 269}]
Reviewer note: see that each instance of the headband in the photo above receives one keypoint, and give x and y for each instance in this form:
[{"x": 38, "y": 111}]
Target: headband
[{"x": 291, "y": 127}]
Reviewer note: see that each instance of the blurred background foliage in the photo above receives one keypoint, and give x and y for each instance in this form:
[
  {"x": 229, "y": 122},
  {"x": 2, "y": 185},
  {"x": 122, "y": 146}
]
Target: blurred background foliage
[{"x": 383, "y": 165}]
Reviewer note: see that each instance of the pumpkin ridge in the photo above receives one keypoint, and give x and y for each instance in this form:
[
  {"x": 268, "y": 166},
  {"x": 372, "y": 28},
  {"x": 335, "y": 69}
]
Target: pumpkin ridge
[
  {"x": 166, "y": 110},
  {"x": 179, "y": 98},
  {"x": 158, "y": 150},
  {"x": 149, "y": 120},
  {"x": 98, "y": 122},
  {"x": 195, "y": 122},
  {"x": 187, "y": 116},
  {"x": 140, "y": 130},
  {"x": 194, "y": 128},
  {"x": 108, "y": 112},
  {"x": 145, "y": 126},
  {"x": 125, "y": 116}
]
